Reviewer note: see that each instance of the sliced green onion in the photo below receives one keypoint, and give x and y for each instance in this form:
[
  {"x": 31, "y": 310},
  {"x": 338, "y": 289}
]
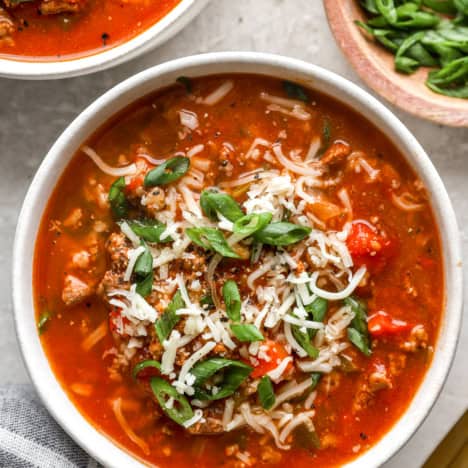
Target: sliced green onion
[
  {"x": 214, "y": 203},
  {"x": 149, "y": 230},
  {"x": 295, "y": 91},
  {"x": 246, "y": 332},
  {"x": 180, "y": 411},
  {"x": 169, "y": 319},
  {"x": 357, "y": 331},
  {"x": 281, "y": 234},
  {"x": 232, "y": 300},
  {"x": 226, "y": 374},
  {"x": 211, "y": 239},
  {"x": 118, "y": 201},
  {"x": 249, "y": 224},
  {"x": 144, "y": 365},
  {"x": 167, "y": 172},
  {"x": 266, "y": 393},
  {"x": 42, "y": 322}
]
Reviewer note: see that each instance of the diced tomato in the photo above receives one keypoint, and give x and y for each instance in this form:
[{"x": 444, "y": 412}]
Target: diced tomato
[
  {"x": 368, "y": 247},
  {"x": 276, "y": 353},
  {"x": 116, "y": 322},
  {"x": 138, "y": 178},
  {"x": 381, "y": 323}
]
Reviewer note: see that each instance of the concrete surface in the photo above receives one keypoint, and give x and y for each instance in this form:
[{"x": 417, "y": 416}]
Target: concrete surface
[{"x": 33, "y": 114}]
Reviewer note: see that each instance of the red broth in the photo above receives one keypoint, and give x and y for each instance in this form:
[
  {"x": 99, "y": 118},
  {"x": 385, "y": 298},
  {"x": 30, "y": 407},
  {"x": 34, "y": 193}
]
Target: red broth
[
  {"x": 362, "y": 397},
  {"x": 100, "y": 25}
]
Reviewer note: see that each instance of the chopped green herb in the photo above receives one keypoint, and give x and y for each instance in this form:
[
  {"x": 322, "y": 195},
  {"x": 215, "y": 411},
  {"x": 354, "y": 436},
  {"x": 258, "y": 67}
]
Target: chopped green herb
[
  {"x": 249, "y": 224},
  {"x": 214, "y": 203},
  {"x": 144, "y": 365},
  {"x": 357, "y": 330},
  {"x": 117, "y": 200},
  {"x": 211, "y": 239},
  {"x": 281, "y": 234},
  {"x": 169, "y": 319},
  {"x": 169, "y": 171},
  {"x": 246, "y": 332},
  {"x": 232, "y": 300},
  {"x": 149, "y": 230},
  {"x": 227, "y": 374},
  {"x": 266, "y": 393},
  {"x": 180, "y": 411}
]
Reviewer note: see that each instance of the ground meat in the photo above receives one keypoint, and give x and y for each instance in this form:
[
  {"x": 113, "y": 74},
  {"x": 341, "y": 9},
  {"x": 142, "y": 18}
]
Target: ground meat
[
  {"x": 7, "y": 26},
  {"x": 336, "y": 153},
  {"x": 154, "y": 200},
  {"x": 418, "y": 340},
  {"x": 117, "y": 247},
  {"x": 212, "y": 423},
  {"x": 75, "y": 290},
  {"x": 53, "y": 7},
  {"x": 378, "y": 380}
]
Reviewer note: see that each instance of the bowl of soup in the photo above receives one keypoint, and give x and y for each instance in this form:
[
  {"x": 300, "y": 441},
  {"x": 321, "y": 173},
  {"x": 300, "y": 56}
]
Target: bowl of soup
[
  {"x": 233, "y": 259},
  {"x": 47, "y": 39}
]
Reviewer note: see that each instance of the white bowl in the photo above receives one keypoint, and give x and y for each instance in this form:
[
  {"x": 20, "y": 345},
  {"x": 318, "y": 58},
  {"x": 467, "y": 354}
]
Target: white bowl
[
  {"x": 152, "y": 37},
  {"x": 50, "y": 391}
]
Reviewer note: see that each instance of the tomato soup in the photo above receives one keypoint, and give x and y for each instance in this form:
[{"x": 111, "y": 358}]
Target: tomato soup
[
  {"x": 237, "y": 270},
  {"x": 65, "y": 29}
]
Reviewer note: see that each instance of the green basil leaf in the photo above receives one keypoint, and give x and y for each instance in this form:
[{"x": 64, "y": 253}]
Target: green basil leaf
[
  {"x": 117, "y": 200},
  {"x": 145, "y": 285},
  {"x": 232, "y": 300},
  {"x": 304, "y": 340},
  {"x": 318, "y": 308},
  {"x": 149, "y": 230},
  {"x": 249, "y": 224},
  {"x": 145, "y": 364},
  {"x": 186, "y": 82},
  {"x": 266, "y": 393},
  {"x": 169, "y": 319},
  {"x": 282, "y": 234},
  {"x": 295, "y": 91},
  {"x": 357, "y": 331},
  {"x": 230, "y": 374},
  {"x": 144, "y": 264},
  {"x": 181, "y": 411},
  {"x": 246, "y": 332},
  {"x": 214, "y": 203},
  {"x": 42, "y": 322},
  {"x": 167, "y": 172},
  {"x": 211, "y": 239}
]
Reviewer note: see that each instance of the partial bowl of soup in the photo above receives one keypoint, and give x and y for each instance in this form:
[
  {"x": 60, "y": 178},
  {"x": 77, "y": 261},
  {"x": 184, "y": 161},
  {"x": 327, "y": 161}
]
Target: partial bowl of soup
[
  {"x": 48, "y": 39},
  {"x": 234, "y": 259}
]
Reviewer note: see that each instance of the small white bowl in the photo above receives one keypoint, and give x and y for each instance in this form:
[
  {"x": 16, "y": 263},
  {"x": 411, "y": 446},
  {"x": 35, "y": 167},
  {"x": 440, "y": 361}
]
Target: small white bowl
[
  {"x": 164, "y": 29},
  {"x": 50, "y": 391}
]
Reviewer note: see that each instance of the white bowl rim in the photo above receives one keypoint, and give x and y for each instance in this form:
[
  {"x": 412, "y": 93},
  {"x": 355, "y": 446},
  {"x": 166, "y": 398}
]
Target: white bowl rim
[
  {"x": 51, "y": 393},
  {"x": 155, "y": 35}
]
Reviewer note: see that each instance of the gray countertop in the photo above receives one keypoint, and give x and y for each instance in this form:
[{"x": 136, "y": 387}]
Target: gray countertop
[{"x": 33, "y": 114}]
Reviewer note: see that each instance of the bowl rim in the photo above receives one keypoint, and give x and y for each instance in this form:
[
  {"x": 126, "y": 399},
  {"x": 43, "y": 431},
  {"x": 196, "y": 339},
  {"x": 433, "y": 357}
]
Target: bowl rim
[
  {"x": 51, "y": 393},
  {"x": 155, "y": 35}
]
